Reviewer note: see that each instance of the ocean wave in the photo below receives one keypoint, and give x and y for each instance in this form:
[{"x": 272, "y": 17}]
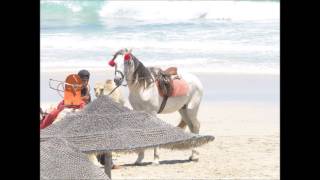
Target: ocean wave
[
  {"x": 177, "y": 11},
  {"x": 68, "y": 13},
  {"x": 72, "y": 5},
  {"x": 74, "y": 42},
  {"x": 126, "y": 13}
]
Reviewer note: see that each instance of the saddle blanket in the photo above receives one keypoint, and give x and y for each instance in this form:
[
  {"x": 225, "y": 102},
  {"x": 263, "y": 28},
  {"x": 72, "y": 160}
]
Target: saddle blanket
[{"x": 180, "y": 88}]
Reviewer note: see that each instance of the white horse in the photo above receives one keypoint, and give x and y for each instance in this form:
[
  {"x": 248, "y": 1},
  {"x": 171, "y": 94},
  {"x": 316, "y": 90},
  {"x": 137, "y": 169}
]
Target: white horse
[{"x": 144, "y": 96}]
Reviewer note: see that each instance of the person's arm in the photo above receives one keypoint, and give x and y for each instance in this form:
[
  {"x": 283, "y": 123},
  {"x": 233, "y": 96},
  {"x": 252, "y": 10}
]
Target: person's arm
[
  {"x": 49, "y": 118},
  {"x": 87, "y": 97}
]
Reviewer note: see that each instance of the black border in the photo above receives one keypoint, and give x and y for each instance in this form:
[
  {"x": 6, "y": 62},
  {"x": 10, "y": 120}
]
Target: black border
[
  {"x": 21, "y": 89},
  {"x": 296, "y": 85}
]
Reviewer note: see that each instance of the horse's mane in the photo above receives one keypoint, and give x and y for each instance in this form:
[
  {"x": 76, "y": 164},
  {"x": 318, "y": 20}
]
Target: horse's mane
[{"x": 142, "y": 73}]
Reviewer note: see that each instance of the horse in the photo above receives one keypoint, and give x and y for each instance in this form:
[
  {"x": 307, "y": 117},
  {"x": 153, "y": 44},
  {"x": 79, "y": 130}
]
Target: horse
[{"x": 144, "y": 96}]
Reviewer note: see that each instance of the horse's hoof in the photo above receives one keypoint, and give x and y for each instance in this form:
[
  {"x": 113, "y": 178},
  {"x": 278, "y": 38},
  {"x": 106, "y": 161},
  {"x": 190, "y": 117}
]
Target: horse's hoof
[{"x": 138, "y": 163}]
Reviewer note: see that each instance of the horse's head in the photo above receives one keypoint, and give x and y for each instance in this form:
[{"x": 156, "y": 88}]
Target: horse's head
[
  {"x": 134, "y": 71},
  {"x": 112, "y": 62},
  {"x": 124, "y": 52},
  {"x": 129, "y": 64}
]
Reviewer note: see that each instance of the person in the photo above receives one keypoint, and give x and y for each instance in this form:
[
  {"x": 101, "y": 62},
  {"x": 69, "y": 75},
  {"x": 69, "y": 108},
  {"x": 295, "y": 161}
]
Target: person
[
  {"x": 49, "y": 118},
  {"x": 85, "y": 90}
]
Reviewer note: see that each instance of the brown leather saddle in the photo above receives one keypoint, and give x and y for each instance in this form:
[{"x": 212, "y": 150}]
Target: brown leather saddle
[{"x": 165, "y": 84}]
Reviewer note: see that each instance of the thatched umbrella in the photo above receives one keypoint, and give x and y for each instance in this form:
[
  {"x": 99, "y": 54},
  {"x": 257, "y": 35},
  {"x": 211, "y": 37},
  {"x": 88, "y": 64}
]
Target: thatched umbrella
[
  {"x": 105, "y": 126},
  {"x": 61, "y": 160}
]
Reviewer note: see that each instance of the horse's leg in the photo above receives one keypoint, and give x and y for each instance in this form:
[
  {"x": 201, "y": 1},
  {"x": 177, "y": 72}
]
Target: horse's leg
[
  {"x": 190, "y": 115},
  {"x": 136, "y": 107},
  {"x": 155, "y": 153},
  {"x": 156, "y": 149},
  {"x": 140, "y": 157},
  {"x": 155, "y": 156}
]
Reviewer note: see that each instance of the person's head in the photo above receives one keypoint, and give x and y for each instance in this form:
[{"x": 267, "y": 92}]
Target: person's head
[{"x": 85, "y": 76}]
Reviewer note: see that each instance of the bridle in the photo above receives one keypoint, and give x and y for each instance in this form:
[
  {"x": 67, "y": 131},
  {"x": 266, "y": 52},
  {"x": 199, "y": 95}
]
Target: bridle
[{"x": 117, "y": 80}]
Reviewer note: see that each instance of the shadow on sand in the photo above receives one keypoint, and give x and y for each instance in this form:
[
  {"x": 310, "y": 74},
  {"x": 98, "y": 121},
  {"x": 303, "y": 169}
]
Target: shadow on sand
[{"x": 161, "y": 162}]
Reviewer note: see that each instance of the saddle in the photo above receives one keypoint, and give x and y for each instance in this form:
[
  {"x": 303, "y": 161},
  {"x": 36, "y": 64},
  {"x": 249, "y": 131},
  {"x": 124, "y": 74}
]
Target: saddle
[
  {"x": 165, "y": 81},
  {"x": 171, "y": 71},
  {"x": 169, "y": 84}
]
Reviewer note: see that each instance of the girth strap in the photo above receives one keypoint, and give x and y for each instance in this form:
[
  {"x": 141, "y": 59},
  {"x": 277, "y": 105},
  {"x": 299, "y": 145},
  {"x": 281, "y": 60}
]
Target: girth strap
[
  {"x": 165, "y": 85},
  {"x": 163, "y": 104}
]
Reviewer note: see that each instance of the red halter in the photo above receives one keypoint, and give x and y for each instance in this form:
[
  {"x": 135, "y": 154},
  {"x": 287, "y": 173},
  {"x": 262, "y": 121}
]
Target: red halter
[
  {"x": 112, "y": 63},
  {"x": 127, "y": 56}
]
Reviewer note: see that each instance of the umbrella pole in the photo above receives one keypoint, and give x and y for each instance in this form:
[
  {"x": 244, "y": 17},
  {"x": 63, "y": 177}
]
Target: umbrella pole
[{"x": 108, "y": 163}]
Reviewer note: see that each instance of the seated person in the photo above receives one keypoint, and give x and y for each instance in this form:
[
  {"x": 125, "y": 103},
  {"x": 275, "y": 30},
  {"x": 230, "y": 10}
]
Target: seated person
[
  {"x": 85, "y": 91},
  {"x": 85, "y": 96}
]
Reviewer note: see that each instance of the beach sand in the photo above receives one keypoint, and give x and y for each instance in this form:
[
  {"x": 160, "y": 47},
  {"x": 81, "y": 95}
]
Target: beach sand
[
  {"x": 241, "y": 111},
  {"x": 246, "y": 146}
]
